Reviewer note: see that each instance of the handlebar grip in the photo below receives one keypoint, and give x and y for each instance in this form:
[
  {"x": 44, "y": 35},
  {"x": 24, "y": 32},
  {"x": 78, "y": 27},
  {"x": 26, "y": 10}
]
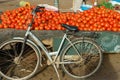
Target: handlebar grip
[{"x": 38, "y": 7}]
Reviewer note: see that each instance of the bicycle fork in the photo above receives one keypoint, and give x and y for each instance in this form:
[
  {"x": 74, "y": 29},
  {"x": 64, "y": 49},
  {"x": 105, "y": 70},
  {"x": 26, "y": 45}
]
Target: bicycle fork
[{"x": 23, "y": 45}]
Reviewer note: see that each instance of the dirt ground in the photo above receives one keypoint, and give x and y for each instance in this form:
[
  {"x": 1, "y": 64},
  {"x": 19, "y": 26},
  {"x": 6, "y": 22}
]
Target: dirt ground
[{"x": 109, "y": 70}]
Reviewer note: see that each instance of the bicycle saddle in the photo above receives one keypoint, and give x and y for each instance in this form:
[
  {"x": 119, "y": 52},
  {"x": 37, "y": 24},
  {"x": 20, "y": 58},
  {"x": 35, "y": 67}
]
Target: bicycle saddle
[{"x": 69, "y": 27}]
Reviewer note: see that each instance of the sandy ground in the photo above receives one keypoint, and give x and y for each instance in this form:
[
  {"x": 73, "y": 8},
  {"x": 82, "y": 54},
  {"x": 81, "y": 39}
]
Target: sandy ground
[{"x": 109, "y": 70}]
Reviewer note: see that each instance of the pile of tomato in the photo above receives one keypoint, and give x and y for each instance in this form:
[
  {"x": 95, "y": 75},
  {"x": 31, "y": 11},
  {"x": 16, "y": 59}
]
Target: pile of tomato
[{"x": 94, "y": 19}]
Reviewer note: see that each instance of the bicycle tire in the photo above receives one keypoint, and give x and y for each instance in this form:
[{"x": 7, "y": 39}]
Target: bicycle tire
[
  {"x": 10, "y": 67},
  {"x": 89, "y": 57}
]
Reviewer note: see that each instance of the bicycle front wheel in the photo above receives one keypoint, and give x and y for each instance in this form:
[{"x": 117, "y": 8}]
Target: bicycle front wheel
[
  {"x": 82, "y": 58},
  {"x": 14, "y": 68}
]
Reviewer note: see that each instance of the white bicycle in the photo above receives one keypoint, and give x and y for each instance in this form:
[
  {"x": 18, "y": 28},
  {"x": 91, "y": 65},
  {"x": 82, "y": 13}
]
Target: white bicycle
[{"x": 21, "y": 57}]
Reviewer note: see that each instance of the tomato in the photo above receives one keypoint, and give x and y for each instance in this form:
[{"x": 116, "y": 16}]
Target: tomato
[
  {"x": 114, "y": 29},
  {"x": 36, "y": 28},
  {"x": 47, "y": 28},
  {"x": 53, "y": 28},
  {"x": 41, "y": 28},
  {"x": 25, "y": 27},
  {"x": 5, "y": 26},
  {"x": 12, "y": 26},
  {"x": 84, "y": 21},
  {"x": 59, "y": 27}
]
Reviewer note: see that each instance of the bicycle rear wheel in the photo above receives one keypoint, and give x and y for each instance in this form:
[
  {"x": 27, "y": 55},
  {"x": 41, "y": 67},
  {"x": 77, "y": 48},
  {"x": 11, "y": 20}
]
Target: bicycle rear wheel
[
  {"x": 13, "y": 69},
  {"x": 82, "y": 60}
]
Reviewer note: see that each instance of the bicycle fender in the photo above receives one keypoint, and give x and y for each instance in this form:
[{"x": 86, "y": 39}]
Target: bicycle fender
[{"x": 31, "y": 42}]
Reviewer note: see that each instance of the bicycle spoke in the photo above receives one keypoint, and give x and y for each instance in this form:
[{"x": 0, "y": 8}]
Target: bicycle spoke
[
  {"x": 82, "y": 47},
  {"x": 6, "y": 53},
  {"x": 88, "y": 47},
  {"x": 5, "y": 63},
  {"x": 84, "y": 66},
  {"x": 5, "y": 68},
  {"x": 27, "y": 52},
  {"x": 13, "y": 67},
  {"x": 14, "y": 50},
  {"x": 85, "y": 46},
  {"x": 18, "y": 47},
  {"x": 76, "y": 50}
]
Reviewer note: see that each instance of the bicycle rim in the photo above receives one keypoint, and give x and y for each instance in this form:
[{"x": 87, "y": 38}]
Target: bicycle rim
[
  {"x": 85, "y": 63},
  {"x": 13, "y": 69}
]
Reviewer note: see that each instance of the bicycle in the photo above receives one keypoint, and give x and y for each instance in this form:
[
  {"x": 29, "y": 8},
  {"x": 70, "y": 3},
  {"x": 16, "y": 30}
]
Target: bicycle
[{"x": 21, "y": 57}]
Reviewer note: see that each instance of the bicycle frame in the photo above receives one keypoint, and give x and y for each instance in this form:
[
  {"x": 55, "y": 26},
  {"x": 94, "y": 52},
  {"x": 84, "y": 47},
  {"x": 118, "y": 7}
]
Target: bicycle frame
[
  {"x": 49, "y": 54},
  {"x": 40, "y": 44}
]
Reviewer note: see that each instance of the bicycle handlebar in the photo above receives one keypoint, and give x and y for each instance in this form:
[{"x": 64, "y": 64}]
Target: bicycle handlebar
[
  {"x": 34, "y": 11},
  {"x": 37, "y": 9}
]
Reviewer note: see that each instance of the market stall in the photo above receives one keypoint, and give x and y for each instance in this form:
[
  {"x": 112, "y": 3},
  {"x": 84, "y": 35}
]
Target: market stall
[
  {"x": 100, "y": 24},
  {"x": 101, "y": 21}
]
